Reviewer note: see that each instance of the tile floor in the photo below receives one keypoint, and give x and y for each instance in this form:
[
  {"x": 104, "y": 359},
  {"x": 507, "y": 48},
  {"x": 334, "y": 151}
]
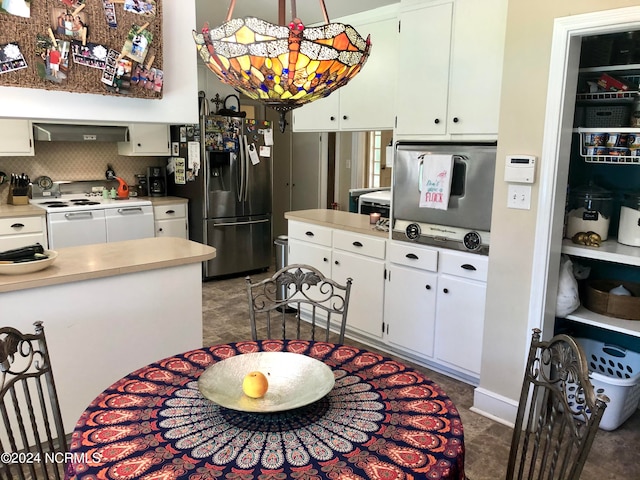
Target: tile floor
[{"x": 614, "y": 455}]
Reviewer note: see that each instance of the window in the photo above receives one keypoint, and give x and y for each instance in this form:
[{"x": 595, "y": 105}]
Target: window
[{"x": 374, "y": 158}]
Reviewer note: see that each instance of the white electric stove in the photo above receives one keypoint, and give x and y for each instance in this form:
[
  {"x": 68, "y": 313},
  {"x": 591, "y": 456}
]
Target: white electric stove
[{"x": 85, "y": 218}]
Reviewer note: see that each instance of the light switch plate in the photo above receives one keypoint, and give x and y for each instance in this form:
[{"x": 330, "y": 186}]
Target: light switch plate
[{"x": 519, "y": 197}]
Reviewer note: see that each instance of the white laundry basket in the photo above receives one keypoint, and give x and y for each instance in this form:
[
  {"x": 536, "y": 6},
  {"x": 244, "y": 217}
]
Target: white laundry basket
[{"x": 614, "y": 372}]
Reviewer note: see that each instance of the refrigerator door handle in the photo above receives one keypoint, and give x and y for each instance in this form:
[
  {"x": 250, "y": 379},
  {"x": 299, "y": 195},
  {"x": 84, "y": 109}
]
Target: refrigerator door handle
[
  {"x": 233, "y": 224},
  {"x": 246, "y": 167},
  {"x": 240, "y": 166}
]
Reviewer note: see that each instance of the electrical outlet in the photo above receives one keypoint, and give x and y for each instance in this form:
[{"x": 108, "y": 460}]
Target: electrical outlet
[{"x": 519, "y": 196}]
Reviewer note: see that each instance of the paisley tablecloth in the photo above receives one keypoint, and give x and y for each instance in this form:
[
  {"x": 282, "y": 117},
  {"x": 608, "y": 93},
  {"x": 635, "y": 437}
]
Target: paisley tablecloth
[{"x": 382, "y": 420}]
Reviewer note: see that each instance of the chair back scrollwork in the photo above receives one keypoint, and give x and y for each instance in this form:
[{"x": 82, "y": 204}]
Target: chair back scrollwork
[
  {"x": 301, "y": 302},
  {"x": 558, "y": 414}
]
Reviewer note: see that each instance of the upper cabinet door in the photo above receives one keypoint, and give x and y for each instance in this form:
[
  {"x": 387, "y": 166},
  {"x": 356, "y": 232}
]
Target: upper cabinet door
[
  {"x": 476, "y": 66},
  {"x": 319, "y": 116},
  {"x": 423, "y": 70},
  {"x": 367, "y": 101},
  {"x": 16, "y": 138},
  {"x": 146, "y": 139}
]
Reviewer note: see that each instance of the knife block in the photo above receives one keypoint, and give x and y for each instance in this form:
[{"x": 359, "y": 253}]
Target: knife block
[{"x": 18, "y": 196}]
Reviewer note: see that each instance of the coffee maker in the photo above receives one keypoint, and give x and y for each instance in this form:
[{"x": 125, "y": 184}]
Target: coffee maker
[{"x": 157, "y": 181}]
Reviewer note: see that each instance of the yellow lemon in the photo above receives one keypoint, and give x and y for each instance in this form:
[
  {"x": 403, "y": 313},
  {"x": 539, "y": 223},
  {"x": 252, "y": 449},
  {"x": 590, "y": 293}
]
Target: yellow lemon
[{"x": 255, "y": 384}]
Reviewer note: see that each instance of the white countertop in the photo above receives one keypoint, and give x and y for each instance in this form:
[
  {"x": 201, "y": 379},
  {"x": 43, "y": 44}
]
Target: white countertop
[
  {"x": 109, "y": 259},
  {"x": 353, "y": 222}
]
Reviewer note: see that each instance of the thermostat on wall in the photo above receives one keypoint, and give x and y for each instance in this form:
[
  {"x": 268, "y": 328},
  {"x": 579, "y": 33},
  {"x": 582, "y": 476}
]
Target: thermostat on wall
[{"x": 520, "y": 169}]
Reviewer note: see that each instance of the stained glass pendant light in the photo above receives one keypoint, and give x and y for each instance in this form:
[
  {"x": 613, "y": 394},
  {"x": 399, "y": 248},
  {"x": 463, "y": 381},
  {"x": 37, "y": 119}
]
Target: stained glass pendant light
[{"x": 282, "y": 66}]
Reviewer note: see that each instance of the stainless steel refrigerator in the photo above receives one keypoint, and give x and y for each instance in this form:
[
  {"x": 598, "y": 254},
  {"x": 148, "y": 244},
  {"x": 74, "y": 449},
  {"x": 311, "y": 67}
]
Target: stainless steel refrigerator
[{"x": 230, "y": 193}]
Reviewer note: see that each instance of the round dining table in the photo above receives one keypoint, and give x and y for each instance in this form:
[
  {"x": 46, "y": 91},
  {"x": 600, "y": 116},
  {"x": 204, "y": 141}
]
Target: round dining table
[{"x": 381, "y": 420}]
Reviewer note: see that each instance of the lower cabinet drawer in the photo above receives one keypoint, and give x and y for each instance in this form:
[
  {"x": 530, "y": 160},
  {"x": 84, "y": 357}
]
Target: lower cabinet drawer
[
  {"x": 466, "y": 265},
  {"x": 413, "y": 256},
  {"x": 310, "y": 233},
  {"x": 20, "y": 225},
  {"x": 360, "y": 244},
  {"x": 164, "y": 212}
]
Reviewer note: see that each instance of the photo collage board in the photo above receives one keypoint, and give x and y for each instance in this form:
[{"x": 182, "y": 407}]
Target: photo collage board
[{"x": 83, "y": 46}]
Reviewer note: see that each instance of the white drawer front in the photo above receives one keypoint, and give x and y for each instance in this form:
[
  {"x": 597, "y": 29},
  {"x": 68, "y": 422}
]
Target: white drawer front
[
  {"x": 165, "y": 212},
  {"x": 467, "y": 265},
  {"x": 19, "y": 225},
  {"x": 413, "y": 256},
  {"x": 361, "y": 244},
  {"x": 19, "y": 241},
  {"x": 310, "y": 233}
]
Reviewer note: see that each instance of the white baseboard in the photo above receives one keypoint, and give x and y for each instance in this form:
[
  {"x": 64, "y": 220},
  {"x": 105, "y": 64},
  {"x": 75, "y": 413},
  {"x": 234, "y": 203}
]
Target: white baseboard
[{"x": 496, "y": 407}]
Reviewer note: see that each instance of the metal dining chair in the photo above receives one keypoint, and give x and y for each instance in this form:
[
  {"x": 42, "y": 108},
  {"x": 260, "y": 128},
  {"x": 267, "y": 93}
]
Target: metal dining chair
[
  {"x": 298, "y": 300},
  {"x": 32, "y": 438},
  {"x": 558, "y": 414}
]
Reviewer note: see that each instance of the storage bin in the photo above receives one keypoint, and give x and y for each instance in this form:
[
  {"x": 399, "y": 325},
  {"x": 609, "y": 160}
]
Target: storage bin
[
  {"x": 599, "y": 299},
  {"x": 614, "y": 372},
  {"x": 607, "y": 116}
]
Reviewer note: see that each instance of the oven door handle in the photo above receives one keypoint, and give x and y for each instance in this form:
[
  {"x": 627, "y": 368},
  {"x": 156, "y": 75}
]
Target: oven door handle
[
  {"x": 74, "y": 215},
  {"x": 130, "y": 210}
]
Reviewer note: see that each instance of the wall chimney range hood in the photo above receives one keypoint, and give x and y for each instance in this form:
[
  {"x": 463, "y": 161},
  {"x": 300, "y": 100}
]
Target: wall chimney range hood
[{"x": 58, "y": 132}]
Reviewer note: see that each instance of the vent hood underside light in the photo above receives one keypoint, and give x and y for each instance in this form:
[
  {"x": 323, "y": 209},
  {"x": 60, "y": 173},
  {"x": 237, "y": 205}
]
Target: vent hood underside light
[{"x": 53, "y": 132}]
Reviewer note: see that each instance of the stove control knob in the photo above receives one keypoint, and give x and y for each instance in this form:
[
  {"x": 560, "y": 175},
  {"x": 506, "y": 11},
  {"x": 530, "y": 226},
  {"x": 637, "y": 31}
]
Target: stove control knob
[
  {"x": 412, "y": 231},
  {"x": 472, "y": 241}
]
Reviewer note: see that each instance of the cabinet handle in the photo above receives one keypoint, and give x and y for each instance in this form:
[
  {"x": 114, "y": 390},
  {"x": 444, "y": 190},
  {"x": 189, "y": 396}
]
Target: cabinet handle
[
  {"x": 325, "y": 259},
  {"x": 139, "y": 144},
  {"x": 428, "y": 287},
  {"x": 160, "y": 229},
  {"x": 456, "y": 119},
  {"x": 332, "y": 118},
  {"x": 357, "y": 244},
  {"x": 17, "y": 225},
  {"x": 337, "y": 262},
  {"x": 466, "y": 266},
  {"x": 309, "y": 234},
  {"x": 170, "y": 212},
  {"x": 344, "y": 117},
  {"x": 436, "y": 121},
  {"x": 445, "y": 290},
  {"x": 412, "y": 256}
]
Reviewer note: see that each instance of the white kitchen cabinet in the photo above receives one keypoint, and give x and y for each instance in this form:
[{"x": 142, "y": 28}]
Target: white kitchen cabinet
[
  {"x": 16, "y": 232},
  {"x": 171, "y": 220},
  {"x": 340, "y": 255},
  {"x": 306, "y": 253},
  {"x": 146, "y": 139},
  {"x": 310, "y": 245},
  {"x": 367, "y": 101},
  {"x": 410, "y": 298},
  {"x": 460, "y": 305},
  {"x": 361, "y": 258},
  {"x": 16, "y": 138},
  {"x": 451, "y": 84}
]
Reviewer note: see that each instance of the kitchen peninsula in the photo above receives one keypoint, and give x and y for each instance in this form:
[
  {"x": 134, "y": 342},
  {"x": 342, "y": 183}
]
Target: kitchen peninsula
[
  {"x": 109, "y": 308},
  {"x": 422, "y": 303}
]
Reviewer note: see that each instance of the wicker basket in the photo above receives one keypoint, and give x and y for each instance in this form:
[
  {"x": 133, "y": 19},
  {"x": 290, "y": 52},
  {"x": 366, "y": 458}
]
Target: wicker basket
[{"x": 620, "y": 306}]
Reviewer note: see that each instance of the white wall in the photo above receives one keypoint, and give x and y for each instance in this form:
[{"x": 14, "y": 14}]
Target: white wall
[{"x": 179, "y": 103}]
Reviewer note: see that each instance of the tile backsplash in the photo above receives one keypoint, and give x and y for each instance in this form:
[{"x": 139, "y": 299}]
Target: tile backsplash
[{"x": 75, "y": 161}]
